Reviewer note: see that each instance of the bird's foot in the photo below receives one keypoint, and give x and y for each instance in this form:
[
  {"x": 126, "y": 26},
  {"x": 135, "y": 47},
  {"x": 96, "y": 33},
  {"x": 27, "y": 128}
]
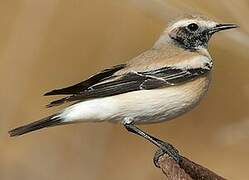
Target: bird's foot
[
  {"x": 164, "y": 146},
  {"x": 168, "y": 149}
]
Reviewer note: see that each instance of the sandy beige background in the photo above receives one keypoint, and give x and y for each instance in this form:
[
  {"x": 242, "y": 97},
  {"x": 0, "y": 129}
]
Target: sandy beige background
[{"x": 45, "y": 44}]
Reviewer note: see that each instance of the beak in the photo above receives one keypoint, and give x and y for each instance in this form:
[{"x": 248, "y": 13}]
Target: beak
[{"x": 221, "y": 27}]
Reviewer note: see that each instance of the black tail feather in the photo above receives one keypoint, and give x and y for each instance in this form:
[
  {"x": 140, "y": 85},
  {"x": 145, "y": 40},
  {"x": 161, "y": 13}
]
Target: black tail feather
[{"x": 43, "y": 123}]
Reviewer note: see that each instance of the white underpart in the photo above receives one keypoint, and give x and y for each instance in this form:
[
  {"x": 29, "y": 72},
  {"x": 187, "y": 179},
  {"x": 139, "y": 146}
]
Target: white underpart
[
  {"x": 145, "y": 106},
  {"x": 91, "y": 110}
]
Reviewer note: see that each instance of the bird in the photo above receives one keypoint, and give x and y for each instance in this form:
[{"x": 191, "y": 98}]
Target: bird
[{"x": 160, "y": 84}]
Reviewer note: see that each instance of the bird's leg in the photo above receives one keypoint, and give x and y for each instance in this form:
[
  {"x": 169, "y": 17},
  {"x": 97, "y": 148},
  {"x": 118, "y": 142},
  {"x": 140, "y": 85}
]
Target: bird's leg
[{"x": 164, "y": 146}]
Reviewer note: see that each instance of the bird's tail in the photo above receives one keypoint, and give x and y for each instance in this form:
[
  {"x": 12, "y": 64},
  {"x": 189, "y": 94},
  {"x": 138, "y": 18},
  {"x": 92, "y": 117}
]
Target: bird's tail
[{"x": 42, "y": 123}]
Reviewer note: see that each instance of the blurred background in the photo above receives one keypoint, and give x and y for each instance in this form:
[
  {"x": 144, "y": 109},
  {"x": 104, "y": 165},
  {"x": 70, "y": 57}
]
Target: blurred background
[{"x": 46, "y": 44}]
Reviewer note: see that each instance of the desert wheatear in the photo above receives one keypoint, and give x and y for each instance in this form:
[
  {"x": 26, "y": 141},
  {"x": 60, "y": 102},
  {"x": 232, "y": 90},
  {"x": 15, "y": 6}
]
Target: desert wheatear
[{"x": 158, "y": 85}]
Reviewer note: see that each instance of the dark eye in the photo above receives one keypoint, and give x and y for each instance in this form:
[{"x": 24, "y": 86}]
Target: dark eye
[{"x": 193, "y": 27}]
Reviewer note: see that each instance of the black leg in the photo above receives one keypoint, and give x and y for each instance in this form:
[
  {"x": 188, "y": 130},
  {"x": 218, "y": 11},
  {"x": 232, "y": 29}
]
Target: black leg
[{"x": 164, "y": 146}]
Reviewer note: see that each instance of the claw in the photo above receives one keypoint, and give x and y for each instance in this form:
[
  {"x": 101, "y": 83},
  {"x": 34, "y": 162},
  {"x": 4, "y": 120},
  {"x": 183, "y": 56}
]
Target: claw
[
  {"x": 156, "y": 157},
  {"x": 169, "y": 150}
]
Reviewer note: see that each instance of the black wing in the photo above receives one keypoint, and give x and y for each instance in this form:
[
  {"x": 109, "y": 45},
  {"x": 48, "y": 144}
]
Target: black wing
[
  {"x": 134, "y": 81},
  {"x": 77, "y": 88}
]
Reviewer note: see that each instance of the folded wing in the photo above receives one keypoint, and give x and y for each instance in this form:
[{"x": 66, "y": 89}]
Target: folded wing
[{"x": 135, "y": 81}]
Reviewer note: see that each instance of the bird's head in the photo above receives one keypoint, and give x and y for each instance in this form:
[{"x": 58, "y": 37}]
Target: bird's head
[{"x": 193, "y": 32}]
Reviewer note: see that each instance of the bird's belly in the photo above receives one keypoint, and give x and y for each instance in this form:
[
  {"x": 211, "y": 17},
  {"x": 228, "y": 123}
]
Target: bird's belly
[{"x": 150, "y": 106}]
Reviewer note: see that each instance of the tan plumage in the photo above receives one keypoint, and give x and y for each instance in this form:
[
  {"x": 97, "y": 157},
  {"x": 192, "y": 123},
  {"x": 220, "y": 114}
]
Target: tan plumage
[
  {"x": 155, "y": 58},
  {"x": 153, "y": 100}
]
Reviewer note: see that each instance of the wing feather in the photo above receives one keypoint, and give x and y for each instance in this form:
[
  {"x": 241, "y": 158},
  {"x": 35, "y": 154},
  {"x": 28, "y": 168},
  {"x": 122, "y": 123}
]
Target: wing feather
[
  {"x": 134, "y": 81},
  {"x": 77, "y": 88}
]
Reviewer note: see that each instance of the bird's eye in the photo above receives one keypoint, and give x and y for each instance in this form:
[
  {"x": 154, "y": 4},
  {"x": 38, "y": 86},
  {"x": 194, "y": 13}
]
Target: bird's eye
[{"x": 193, "y": 27}]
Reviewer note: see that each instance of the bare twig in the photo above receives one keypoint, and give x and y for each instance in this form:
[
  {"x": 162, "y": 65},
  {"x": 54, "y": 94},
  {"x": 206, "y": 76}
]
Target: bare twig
[{"x": 185, "y": 170}]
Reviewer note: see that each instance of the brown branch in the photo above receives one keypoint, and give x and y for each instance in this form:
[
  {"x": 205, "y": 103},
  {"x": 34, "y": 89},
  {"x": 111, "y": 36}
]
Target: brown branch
[{"x": 185, "y": 170}]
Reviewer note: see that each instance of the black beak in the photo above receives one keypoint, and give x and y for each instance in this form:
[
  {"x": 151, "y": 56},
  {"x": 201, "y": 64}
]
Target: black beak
[{"x": 221, "y": 27}]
